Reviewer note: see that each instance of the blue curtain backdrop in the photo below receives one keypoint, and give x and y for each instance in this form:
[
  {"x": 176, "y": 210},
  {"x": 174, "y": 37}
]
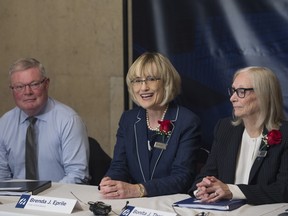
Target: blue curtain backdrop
[{"x": 207, "y": 41}]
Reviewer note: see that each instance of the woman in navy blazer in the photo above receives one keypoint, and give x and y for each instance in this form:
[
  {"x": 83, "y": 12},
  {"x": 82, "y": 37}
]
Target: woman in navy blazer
[
  {"x": 249, "y": 156},
  {"x": 156, "y": 141}
]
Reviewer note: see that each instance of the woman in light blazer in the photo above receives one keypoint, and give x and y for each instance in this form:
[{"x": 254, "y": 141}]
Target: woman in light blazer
[{"x": 157, "y": 140}]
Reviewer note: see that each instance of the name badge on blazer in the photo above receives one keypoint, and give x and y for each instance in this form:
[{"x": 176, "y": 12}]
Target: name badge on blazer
[
  {"x": 262, "y": 154},
  {"x": 160, "y": 145}
]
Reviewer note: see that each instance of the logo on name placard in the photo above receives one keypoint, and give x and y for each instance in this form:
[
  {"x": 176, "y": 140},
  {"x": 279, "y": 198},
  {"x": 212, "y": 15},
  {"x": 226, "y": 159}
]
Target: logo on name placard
[
  {"x": 22, "y": 201},
  {"x": 127, "y": 211}
]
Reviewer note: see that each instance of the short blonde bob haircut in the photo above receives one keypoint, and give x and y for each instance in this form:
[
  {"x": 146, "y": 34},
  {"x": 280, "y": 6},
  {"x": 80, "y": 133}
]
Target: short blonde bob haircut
[
  {"x": 268, "y": 92},
  {"x": 156, "y": 65}
]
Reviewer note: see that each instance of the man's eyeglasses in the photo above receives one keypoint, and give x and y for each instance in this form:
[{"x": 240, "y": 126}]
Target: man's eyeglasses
[
  {"x": 241, "y": 92},
  {"x": 33, "y": 85},
  {"x": 148, "y": 81}
]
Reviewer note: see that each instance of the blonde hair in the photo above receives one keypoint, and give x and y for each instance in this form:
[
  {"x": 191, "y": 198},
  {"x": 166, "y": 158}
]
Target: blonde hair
[
  {"x": 268, "y": 92},
  {"x": 157, "y": 65}
]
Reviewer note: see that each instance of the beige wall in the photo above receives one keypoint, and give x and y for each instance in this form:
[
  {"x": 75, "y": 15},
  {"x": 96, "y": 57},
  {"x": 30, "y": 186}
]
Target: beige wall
[{"x": 80, "y": 44}]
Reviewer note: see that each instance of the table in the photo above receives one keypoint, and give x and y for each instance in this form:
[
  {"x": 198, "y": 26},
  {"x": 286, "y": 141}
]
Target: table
[{"x": 87, "y": 193}]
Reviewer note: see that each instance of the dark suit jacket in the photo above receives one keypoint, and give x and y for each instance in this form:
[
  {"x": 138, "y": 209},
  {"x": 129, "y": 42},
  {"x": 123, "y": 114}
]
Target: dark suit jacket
[
  {"x": 169, "y": 171},
  {"x": 268, "y": 179}
]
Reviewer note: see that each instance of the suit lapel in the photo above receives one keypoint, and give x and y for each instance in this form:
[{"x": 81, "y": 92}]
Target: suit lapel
[
  {"x": 234, "y": 146},
  {"x": 141, "y": 142},
  {"x": 258, "y": 161},
  {"x": 171, "y": 114},
  {"x": 140, "y": 132}
]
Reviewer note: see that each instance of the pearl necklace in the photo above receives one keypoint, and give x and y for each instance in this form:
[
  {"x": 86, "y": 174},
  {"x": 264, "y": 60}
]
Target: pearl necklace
[{"x": 162, "y": 118}]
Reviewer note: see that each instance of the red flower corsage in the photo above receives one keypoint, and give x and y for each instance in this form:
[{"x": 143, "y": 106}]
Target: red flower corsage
[
  {"x": 273, "y": 137},
  {"x": 165, "y": 127}
]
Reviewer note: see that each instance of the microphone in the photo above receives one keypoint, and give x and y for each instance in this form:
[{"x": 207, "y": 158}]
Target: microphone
[{"x": 127, "y": 202}]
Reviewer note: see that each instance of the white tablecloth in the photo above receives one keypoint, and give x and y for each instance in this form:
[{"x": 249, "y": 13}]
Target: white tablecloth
[{"x": 87, "y": 193}]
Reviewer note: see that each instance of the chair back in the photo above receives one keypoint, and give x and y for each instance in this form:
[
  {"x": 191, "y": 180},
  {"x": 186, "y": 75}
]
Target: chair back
[
  {"x": 202, "y": 155},
  {"x": 99, "y": 162}
]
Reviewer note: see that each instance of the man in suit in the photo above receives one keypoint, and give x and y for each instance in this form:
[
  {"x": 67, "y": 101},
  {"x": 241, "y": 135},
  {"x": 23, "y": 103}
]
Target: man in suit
[{"x": 249, "y": 155}]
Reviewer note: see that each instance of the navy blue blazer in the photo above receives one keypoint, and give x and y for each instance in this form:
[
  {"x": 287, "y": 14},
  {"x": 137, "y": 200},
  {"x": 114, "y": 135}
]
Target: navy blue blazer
[
  {"x": 168, "y": 171},
  {"x": 268, "y": 179}
]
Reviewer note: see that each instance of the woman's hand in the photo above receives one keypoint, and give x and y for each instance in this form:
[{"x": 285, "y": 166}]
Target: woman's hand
[
  {"x": 113, "y": 189},
  {"x": 210, "y": 189}
]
